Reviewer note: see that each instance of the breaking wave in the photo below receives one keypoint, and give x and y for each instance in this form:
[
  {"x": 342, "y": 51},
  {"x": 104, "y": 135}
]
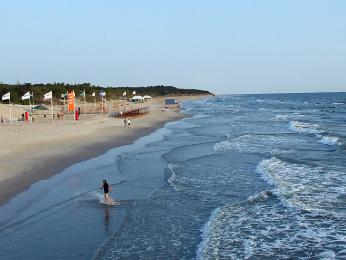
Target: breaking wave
[
  {"x": 330, "y": 140},
  {"x": 316, "y": 130},
  {"x": 263, "y": 228},
  {"x": 301, "y": 127}
]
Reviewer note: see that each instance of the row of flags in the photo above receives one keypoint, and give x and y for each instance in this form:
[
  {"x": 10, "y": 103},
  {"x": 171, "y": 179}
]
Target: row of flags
[
  {"x": 49, "y": 95},
  {"x": 27, "y": 95}
]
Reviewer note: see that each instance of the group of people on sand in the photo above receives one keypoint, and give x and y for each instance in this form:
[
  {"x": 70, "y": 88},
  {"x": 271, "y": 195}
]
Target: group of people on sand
[{"x": 127, "y": 122}]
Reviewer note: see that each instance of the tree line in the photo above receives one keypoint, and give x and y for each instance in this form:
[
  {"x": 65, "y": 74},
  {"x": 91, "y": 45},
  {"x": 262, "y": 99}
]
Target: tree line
[{"x": 38, "y": 90}]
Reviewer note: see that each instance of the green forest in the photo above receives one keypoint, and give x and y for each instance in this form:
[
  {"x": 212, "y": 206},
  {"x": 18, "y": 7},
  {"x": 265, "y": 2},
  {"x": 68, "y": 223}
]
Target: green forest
[{"x": 38, "y": 90}]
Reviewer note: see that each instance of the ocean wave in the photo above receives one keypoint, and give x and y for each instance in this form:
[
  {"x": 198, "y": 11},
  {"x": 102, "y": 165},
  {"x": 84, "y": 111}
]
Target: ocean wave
[
  {"x": 254, "y": 144},
  {"x": 223, "y": 146},
  {"x": 263, "y": 229},
  {"x": 302, "y": 127},
  {"x": 260, "y": 196},
  {"x": 206, "y": 235},
  {"x": 172, "y": 179},
  {"x": 301, "y": 186},
  {"x": 200, "y": 116},
  {"x": 330, "y": 140},
  {"x": 228, "y": 134},
  {"x": 283, "y": 117},
  {"x": 315, "y": 129},
  {"x": 236, "y": 144},
  {"x": 288, "y": 116}
]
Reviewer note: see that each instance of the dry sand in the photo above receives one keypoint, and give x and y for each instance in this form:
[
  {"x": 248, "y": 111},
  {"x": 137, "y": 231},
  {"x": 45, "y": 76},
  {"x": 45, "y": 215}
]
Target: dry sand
[{"x": 31, "y": 152}]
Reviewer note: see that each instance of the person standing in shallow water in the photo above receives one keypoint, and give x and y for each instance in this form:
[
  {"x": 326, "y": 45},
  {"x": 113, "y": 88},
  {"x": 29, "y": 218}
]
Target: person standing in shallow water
[{"x": 106, "y": 189}]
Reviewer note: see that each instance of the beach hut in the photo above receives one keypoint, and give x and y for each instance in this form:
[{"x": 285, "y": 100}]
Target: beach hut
[
  {"x": 171, "y": 103},
  {"x": 137, "y": 99}
]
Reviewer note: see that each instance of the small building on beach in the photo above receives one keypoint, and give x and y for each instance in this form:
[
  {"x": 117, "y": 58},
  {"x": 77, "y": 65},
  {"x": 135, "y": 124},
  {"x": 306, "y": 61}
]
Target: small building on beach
[
  {"x": 138, "y": 99},
  {"x": 171, "y": 103}
]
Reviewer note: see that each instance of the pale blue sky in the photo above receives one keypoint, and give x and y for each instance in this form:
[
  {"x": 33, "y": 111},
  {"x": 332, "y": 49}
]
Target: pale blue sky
[{"x": 223, "y": 46}]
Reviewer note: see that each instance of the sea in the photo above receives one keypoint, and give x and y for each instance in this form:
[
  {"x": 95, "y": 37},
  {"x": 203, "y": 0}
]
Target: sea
[{"x": 241, "y": 177}]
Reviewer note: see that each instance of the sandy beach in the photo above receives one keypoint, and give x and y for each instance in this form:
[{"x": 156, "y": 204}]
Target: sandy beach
[{"x": 31, "y": 152}]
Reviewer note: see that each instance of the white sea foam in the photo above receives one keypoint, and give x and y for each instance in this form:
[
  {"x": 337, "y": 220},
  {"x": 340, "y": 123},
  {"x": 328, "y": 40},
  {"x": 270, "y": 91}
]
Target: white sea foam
[
  {"x": 199, "y": 116},
  {"x": 206, "y": 235},
  {"x": 302, "y": 127},
  {"x": 222, "y": 146},
  {"x": 249, "y": 244},
  {"x": 172, "y": 179},
  {"x": 260, "y": 196},
  {"x": 253, "y": 143},
  {"x": 330, "y": 140},
  {"x": 302, "y": 186},
  {"x": 328, "y": 254},
  {"x": 283, "y": 117},
  {"x": 238, "y": 144},
  {"x": 262, "y": 229}
]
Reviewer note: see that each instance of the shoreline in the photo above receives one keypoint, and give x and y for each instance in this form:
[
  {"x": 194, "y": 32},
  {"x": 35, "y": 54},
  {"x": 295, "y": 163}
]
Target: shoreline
[{"x": 44, "y": 163}]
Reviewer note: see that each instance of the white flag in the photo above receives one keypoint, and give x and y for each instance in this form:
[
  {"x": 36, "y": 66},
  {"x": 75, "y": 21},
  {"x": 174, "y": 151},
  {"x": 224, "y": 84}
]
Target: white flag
[
  {"x": 48, "y": 95},
  {"x": 102, "y": 94},
  {"x": 93, "y": 94},
  {"x": 134, "y": 92},
  {"x": 26, "y": 96},
  {"x": 124, "y": 94},
  {"x": 63, "y": 95},
  {"x": 83, "y": 94},
  {"x": 7, "y": 96}
]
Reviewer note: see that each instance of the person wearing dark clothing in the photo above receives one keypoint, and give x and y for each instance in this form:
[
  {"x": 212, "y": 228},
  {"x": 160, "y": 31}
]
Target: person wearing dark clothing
[{"x": 106, "y": 190}]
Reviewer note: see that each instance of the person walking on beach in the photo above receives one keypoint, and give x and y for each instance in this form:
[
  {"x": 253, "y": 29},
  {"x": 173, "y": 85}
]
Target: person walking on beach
[
  {"x": 129, "y": 122},
  {"x": 106, "y": 190},
  {"x": 125, "y": 122},
  {"x": 2, "y": 120}
]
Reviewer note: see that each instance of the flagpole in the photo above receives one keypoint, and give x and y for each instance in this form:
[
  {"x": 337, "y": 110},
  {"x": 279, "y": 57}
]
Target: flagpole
[
  {"x": 30, "y": 107},
  {"x": 74, "y": 108},
  {"x": 102, "y": 103},
  {"x": 106, "y": 105},
  {"x": 68, "y": 107},
  {"x": 51, "y": 101},
  {"x": 9, "y": 100},
  {"x": 84, "y": 106},
  {"x": 33, "y": 105}
]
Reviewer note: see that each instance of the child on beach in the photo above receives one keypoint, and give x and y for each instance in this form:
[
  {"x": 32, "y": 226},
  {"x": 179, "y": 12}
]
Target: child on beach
[
  {"x": 106, "y": 189},
  {"x": 125, "y": 122},
  {"x": 129, "y": 122}
]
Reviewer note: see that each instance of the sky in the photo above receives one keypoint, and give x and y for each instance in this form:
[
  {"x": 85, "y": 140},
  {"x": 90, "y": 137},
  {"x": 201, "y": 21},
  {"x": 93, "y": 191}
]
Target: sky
[{"x": 224, "y": 46}]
